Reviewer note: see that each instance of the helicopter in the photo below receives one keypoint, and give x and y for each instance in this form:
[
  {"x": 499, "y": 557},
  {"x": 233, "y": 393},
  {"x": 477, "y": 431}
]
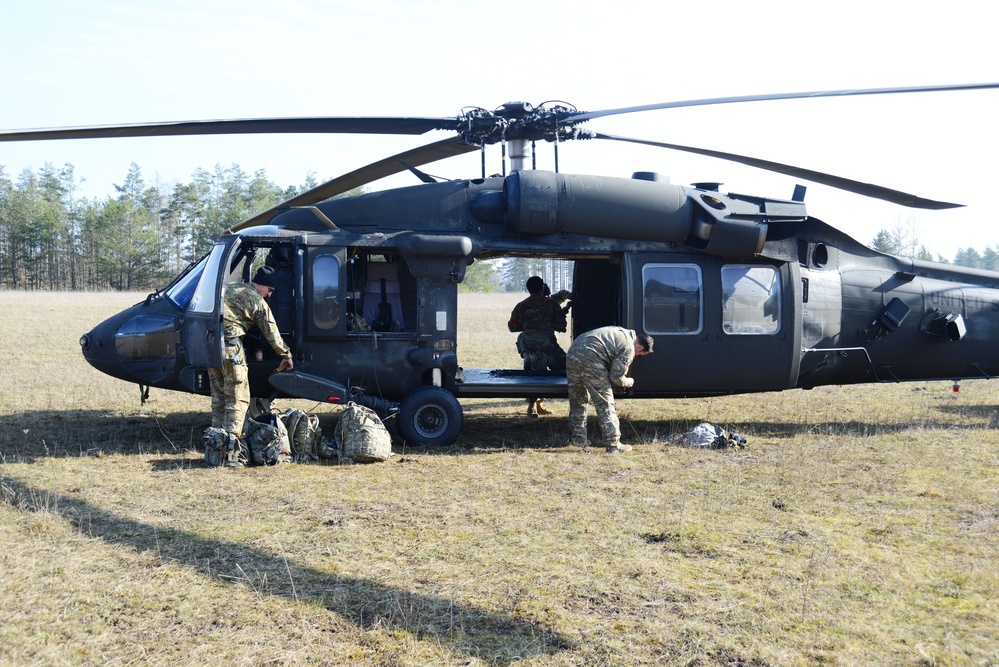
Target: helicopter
[{"x": 741, "y": 293}]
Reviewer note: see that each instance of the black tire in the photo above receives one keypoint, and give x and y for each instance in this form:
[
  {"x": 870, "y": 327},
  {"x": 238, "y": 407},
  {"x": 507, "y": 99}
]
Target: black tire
[{"x": 430, "y": 416}]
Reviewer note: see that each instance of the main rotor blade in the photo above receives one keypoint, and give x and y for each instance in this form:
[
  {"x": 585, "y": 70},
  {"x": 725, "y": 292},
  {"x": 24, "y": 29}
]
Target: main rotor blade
[
  {"x": 317, "y": 125},
  {"x": 866, "y": 189},
  {"x": 580, "y": 117},
  {"x": 415, "y": 157}
]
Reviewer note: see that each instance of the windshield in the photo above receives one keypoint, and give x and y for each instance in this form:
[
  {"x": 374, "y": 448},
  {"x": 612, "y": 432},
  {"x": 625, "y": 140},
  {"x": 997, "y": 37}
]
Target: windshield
[{"x": 182, "y": 290}]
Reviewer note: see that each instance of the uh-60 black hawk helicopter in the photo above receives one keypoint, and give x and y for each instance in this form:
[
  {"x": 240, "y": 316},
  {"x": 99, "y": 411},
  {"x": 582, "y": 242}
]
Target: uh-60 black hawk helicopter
[{"x": 741, "y": 293}]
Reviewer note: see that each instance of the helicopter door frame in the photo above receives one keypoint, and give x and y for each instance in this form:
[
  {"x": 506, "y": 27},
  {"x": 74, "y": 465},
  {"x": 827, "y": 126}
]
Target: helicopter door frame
[
  {"x": 597, "y": 291},
  {"x": 202, "y": 330}
]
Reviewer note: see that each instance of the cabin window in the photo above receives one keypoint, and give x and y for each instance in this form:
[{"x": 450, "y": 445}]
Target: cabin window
[
  {"x": 326, "y": 292},
  {"x": 672, "y": 298},
  {"x": 751, "y": 299}
]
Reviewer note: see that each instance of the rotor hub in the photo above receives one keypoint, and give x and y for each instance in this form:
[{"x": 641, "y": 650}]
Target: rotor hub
[{"x": 520, "y": 121}]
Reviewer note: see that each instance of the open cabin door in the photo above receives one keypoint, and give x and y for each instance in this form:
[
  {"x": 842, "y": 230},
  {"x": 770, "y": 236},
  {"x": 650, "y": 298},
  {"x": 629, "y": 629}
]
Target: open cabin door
[
  {"x": 202, "y": 333},
  {"x": 719, "y": 326}
]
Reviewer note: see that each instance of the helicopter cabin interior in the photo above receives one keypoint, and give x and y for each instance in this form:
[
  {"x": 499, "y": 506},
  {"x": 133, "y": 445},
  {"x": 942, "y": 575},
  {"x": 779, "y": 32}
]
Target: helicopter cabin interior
[{"x": 379, "y": 292}]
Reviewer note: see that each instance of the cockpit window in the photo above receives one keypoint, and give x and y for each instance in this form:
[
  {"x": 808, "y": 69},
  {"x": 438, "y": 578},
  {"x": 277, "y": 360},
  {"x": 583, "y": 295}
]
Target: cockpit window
[
  {"x": 203, "y": 300},
  {"x": 182, "y": 290}
]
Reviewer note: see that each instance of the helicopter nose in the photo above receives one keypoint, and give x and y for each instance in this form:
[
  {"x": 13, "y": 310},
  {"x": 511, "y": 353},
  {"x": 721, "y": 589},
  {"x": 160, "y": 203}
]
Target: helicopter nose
[
  {"x": 139, "y": 344},
  {"x": 95, "y": 344}
]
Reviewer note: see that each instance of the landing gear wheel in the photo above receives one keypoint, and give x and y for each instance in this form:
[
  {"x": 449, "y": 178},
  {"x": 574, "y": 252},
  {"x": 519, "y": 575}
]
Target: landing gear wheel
[{"x": 430, "y": 416}]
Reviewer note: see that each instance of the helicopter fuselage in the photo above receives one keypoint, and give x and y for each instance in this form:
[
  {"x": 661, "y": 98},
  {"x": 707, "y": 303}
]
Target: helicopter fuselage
[{"x": 741, "y": 294}]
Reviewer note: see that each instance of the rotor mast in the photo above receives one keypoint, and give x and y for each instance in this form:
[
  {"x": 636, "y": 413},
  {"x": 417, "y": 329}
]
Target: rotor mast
[{"x": 519, "y": 153}]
